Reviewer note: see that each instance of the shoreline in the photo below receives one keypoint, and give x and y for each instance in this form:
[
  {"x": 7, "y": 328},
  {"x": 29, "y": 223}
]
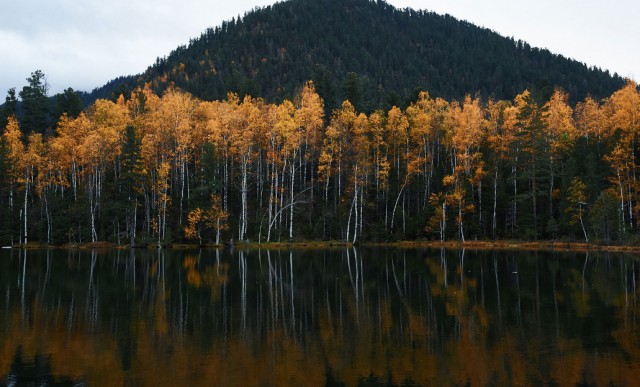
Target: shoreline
[{"x": 453, "y": 245}]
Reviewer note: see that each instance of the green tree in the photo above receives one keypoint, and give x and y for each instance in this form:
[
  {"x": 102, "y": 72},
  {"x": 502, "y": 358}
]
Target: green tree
[
  {"x": 577, "y": 202},
  {"x": 533, "y": 147},
  {"x": 131, "y": 180},
  {"x": 604, "y": 216},
  {"x": 68, "y": 102},
  {"x": 352, "y": 90},
  {"x": 35, "y": 104},
  {"x": 10, "y": 107}
]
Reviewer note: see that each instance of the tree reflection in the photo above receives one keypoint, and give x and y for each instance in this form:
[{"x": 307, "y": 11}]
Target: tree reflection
[{"x": 319, "y": 317}]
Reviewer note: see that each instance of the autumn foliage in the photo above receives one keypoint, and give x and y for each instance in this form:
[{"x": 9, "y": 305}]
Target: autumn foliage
[{"x": 170, "y": 168}]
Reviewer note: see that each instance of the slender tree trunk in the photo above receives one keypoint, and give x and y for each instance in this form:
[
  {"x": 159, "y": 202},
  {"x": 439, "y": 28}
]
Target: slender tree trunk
[
  {"x": 291, "y": 196},
  {"x": 395, "y": 205},
  {"x": 244, "y": 190},
  {"x": 26, "y": 196},
  {"x": 622, "y": 221},
  {"x": 443, "y": 222},
  {"x": 460, "y": 220},
  {"x": 534, "y": 197},
  {"x": 494, "y": 219},
  {"x": 584, "y": 230},
  {"x": 349, "y": 218}
]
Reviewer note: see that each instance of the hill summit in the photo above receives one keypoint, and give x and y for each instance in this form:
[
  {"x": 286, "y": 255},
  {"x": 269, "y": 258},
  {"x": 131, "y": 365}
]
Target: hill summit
[{"x": 366, "y": 51}]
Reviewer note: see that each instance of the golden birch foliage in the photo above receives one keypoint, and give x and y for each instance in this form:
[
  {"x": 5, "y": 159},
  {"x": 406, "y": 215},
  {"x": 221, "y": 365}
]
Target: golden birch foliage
[
  {"x": 361, "y": 147},
  {"x": 501, "y": 121},
  {"x": 590, "y": 120},
  {"x": 378, "y": 143},
  {"x": 558, "y": 119},
  {"x": 397, "y": 131},
  {"x": 199, "y": 127},
  {"x": 195, "y": 221},
  {"x": 142, "y": 101},
  {"x": 377, "y": 130},
  {"x": 310, "y": 116},
  {"x": 361, "y": 143},
  {"x": 621, "y": 163},
  {"x": 175, "y": 113},
  {"x": 244, "y": 124},
  {"x": 16, "y": 149},
  {"x": 286, "y": 129},
  {"x": 109, "y": 123},
  {"x": 420, "y": 116},
  {"x": 406, "y": 152},
  {"x": 159, "y": 125},
  {"x": 624, "y": 109},
  {"x": 324, "y": 165},
  {"x": 62, "y": 148},
  {"x": 161, "y": 185},
  {"x": 336, "y": 139},
  {"x": 506, "y": 135},
  {"x": 36, "y": 162},
  {"x": 199, "y": 220},
  {"x": 218, "y": 217},
  {"x": 217, "y": 127},
  {"x": 442, "y": 120},
  {"x": 468, "y": 133}
]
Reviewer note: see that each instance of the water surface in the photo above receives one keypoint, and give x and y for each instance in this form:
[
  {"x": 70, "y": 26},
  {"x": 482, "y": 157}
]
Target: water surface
[{"x": 318, "y": 317}]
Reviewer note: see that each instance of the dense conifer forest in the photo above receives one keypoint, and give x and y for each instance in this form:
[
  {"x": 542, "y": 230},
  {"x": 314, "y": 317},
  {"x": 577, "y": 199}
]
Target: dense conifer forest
[
  {"x": 411, "y": 126},
  {"x": 368, "y": 52}
]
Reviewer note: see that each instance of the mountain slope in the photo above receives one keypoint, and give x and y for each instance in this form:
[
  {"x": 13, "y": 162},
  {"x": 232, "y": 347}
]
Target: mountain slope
[{"x": 369, "y": 52}]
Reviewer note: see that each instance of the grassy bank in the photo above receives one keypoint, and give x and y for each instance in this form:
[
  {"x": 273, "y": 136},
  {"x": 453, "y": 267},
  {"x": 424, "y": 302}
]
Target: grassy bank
[{"x": 473, "y": 245}]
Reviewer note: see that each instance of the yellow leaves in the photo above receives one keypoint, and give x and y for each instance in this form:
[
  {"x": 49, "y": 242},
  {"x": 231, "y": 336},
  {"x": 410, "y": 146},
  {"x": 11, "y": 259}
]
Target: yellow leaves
[
  {"x": 623, "y": 109},
  {"x": 561, "y": 132},
  {"x": 12, "y": 137},
  {"x": 397, "y": 127},
  {"x": 590, "y": 119},
  {"x": 521, "y": 100},
  {"x": 577, "y": 198},
  {"x": 198, "y": 220},
  {"x": 415, "y": 166},
  {"x": 383, "y": 172},
  {"x": 286, "y": 131},
  {"x": 310, "y": 114},
  {"x": 469, "y": 125},
  {"x": 194, "y": 219},
  {"x": 324, "y": 166}
]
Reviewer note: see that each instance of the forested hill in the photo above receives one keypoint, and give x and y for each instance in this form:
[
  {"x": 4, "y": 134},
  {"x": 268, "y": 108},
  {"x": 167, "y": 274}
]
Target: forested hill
[{"x": 369, "y": 52}]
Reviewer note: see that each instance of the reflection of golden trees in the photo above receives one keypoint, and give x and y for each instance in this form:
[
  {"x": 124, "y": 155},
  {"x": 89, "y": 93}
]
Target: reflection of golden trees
[
  {"x": 214, "y": 276},
  {"x": 439, "y": 333}
]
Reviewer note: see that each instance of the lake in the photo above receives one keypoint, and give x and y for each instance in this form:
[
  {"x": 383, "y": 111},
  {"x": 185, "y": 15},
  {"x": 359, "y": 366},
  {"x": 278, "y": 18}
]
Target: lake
[{"x": 323, "y": 317}]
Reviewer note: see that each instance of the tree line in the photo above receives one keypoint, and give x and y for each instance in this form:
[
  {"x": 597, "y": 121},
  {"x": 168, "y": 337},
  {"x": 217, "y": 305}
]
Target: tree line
[{"x": 170, "y": 168}]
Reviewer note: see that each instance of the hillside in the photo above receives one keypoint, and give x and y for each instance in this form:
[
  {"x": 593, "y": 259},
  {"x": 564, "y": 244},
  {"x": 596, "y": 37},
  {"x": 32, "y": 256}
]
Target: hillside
[{"x": 368, "y": 52}]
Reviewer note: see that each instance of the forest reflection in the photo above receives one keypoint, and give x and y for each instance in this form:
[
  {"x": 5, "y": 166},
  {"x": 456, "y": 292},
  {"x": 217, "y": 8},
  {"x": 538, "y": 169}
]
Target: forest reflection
[{"x": 318, "y": 317}]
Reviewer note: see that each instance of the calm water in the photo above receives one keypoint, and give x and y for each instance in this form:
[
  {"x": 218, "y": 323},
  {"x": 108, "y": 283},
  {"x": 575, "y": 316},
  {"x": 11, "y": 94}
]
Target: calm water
[{"x": 322, "y": 317}]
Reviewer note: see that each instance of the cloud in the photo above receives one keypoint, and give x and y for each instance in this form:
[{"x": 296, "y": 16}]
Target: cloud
[{"x": 85, "y": 44}]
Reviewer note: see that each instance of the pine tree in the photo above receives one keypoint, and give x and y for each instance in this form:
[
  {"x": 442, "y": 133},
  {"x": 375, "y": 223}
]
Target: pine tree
[{"x": 35, "y": 104}]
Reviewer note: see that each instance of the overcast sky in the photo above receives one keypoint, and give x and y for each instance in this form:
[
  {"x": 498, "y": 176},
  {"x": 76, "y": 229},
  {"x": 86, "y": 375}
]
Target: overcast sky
[{"x": 84, "y": 44}]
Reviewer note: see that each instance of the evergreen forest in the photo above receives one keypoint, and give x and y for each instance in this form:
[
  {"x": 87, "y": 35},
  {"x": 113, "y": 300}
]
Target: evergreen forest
[
  {"x": 368, "y": 52},
  {"x": 171, "y": 167}
]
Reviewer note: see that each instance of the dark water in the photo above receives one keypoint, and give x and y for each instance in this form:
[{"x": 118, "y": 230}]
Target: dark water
[{"x": 342, "y": 317}]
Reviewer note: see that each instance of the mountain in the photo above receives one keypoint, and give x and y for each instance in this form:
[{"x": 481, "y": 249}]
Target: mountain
[{"x": 369, "y": 52}]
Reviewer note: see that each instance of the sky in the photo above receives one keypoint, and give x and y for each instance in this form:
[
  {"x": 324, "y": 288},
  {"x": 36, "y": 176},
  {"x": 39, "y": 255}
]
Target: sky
[{"x": 84, "y": 44}]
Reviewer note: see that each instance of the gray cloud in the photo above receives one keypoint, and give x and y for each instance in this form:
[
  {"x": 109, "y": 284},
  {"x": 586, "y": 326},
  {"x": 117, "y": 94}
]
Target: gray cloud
[{"x": 85, "y": 44}]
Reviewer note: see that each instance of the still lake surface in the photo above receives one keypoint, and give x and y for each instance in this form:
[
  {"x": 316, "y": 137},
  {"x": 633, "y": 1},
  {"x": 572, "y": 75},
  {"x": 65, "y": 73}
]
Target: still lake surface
[{"x": 331, "y": 317}]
